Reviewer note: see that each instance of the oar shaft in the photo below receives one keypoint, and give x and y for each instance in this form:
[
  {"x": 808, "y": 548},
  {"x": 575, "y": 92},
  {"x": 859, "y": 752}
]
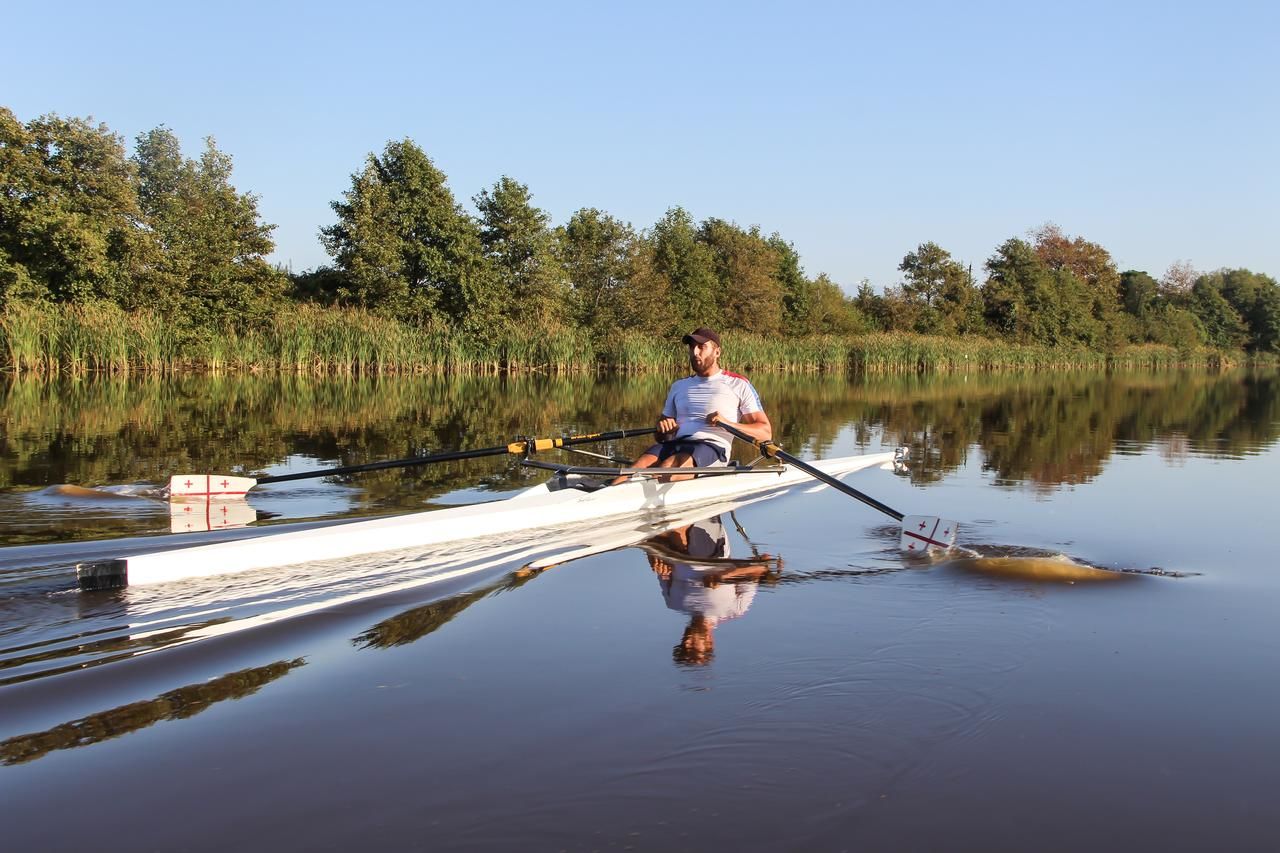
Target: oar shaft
[
  {"x": 530, "y": 445},
  {"x": 768, "y": 448}
]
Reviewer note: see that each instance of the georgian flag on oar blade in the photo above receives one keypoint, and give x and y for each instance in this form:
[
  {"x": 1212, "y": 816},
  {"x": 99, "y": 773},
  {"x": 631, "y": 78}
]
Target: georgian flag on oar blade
[
  {"x": 922, "y": 533},
  {"x": 205, "y": 487}
]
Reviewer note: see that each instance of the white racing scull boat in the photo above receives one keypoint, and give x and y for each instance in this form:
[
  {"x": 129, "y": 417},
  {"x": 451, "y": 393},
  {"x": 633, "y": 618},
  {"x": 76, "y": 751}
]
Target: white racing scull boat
[{"x": 568, "y": 497}]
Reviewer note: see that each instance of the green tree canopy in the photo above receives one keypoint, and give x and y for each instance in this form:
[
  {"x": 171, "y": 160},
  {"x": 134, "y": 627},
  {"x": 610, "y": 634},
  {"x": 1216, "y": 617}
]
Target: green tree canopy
[
  {"x": 70, "y": 225},
  {"x": 404, "y": 245},
  {"x": 214, "y": 243},
  {"x": 746, "y": 267},
  {"x": 940, "y": 290},
  {"x": 1223, "y": 326},
  {"x": 598, "y": 255},
  {"x": 1252, "y": 295},
  {"x": 517, "y": 242},
  {"x": 689, "y": 266},
  {"x": 1138, "y": 292}
]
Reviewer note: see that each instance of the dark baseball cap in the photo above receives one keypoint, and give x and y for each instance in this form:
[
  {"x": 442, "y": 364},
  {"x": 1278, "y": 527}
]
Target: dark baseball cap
[{"x": 701, "y": 336}]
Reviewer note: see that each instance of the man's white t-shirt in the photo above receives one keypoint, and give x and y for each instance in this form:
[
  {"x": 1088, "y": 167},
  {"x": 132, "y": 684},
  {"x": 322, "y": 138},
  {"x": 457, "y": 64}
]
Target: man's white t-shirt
[
  {"x": 691, "y": 399},
  {"x": 686, "y": 590}
]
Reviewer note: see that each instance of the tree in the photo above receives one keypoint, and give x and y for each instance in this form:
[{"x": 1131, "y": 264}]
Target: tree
[
  {"x": 1091, "y": 266},
  {"x": 70, "y": 224},
  {"x": 1252, "y": 295},
  {"x": 797, "y": 290},
  {"x": 647, "y": 304},
  {"x": 831, "y": 312},
  {"x": 1178, "y": 280},
  {"x": 214, "y": 243},
  {"x": 405, "y": 246},
  {"x": 1175, "y": 326},
  {"x": 518, "y": 243},
  {"x": 1223, "y": 326},
  {"x": 690, "y": 269},
  {"x": 746, "y": 267},
  {"x": 1018, "y": 296},
  {"x": 597, "y": 253},
  {"x": 1138, "y": 293},
  {"x": 871, "y": 306},
  {"x": 1264, "y": 320},
  {"x": 946, "y": 301}
]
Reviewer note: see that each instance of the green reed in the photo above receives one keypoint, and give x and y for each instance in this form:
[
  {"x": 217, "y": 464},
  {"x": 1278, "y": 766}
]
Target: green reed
[{"x": 306, "y": 339}]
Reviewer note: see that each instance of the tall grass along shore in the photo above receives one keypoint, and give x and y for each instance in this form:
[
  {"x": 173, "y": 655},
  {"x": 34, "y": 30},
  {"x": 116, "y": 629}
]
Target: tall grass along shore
[{"x": 103, "y": 338}]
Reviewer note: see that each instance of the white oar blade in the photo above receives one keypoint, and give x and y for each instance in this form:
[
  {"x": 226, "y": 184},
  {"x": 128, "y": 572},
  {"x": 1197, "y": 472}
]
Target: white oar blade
[
  {"x": 208, "y": 487},
  {"x": 923, "y": 533}
]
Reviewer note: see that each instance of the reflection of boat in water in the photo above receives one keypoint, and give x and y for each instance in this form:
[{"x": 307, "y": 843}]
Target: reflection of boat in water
[{"x": 567, "y": 498}]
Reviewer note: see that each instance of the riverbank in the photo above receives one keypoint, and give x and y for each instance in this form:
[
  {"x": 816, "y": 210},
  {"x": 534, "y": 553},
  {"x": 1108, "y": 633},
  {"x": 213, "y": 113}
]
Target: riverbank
[{"x": 102, "y": 338}]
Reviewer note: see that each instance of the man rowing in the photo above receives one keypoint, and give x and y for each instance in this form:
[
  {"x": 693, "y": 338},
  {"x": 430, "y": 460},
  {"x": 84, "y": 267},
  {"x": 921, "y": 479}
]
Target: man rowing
[{"x": 687, "y": 431}]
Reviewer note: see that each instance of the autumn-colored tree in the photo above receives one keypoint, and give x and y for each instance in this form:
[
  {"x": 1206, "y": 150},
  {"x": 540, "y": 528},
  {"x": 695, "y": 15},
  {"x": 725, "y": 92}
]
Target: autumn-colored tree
[
  {"x": 1091, "y": 265},
  {"x": 1178, "y": 280}
]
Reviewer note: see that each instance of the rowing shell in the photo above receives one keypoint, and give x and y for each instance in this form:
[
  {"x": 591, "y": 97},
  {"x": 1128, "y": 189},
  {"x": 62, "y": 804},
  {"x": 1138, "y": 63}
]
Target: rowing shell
[{"x": 552, "y": 503}]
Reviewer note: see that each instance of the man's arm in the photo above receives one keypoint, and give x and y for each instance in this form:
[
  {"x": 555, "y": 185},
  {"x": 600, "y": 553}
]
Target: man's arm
[{"x": 755, "y": 424}]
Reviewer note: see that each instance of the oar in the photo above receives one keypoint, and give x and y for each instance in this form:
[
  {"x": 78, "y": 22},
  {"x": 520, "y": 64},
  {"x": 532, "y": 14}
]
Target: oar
[
  {"x": 920, "y": 533},
  {"x": 225, "y": 486}
]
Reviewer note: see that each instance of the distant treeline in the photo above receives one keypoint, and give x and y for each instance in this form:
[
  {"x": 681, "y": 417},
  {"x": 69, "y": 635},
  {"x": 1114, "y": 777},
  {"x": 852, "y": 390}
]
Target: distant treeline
[{"x": 88, "y": 230}]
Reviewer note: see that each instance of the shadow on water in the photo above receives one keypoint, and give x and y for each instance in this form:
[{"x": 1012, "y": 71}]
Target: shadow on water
[{"x": 178, "y": 704}]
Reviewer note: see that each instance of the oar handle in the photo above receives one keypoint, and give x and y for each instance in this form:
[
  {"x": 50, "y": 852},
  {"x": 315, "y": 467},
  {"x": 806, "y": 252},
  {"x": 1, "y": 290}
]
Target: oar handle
[
  {"x": 775, "y": 451},
  {"x": 524, "y": 445}
]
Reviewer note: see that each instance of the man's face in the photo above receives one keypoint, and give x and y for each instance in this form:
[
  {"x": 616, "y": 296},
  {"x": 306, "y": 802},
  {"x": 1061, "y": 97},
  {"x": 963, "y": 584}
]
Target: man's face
[{"x": 704, "y": 357}]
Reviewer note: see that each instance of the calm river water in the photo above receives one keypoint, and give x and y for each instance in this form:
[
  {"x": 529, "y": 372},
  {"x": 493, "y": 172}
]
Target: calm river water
[{"x": 778, "y": 677}]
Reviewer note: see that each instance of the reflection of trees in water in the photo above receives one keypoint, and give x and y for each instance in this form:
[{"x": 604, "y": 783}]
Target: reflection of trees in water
[
  {"x": 177, "y": 704},
  {"x": 412, "y": 625},
  {"x": 1049, "y": 429},
  {"x": 1062, "y": 429}
]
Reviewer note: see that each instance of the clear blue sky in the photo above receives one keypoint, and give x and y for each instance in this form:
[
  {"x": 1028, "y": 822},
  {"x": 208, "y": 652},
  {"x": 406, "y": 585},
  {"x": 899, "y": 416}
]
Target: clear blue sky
[{"x": 857, "y": 131}]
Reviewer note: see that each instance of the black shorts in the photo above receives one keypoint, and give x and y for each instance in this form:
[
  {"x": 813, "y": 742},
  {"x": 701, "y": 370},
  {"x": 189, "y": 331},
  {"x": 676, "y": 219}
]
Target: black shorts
[{"x": 705, "y": 453}]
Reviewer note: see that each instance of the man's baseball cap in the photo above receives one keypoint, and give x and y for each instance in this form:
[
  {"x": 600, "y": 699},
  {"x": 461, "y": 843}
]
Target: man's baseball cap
[{"x": 701, "y": 336}]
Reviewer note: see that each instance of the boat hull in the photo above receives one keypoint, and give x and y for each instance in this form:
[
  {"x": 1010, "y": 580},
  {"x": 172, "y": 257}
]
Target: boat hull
[{"x": 532, "y": 509}]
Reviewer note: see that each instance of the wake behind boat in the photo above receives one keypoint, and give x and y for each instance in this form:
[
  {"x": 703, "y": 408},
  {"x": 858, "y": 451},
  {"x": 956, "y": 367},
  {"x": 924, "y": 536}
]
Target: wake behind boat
[{"x": 570, "y": 496}]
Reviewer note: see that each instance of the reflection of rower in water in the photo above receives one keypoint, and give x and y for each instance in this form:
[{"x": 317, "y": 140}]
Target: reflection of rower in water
[{"x": 698, "y": 577}]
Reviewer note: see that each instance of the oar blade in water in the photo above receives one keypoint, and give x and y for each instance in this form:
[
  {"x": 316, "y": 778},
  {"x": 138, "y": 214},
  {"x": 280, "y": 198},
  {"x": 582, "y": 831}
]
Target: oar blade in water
[
  {"x": 204, "y": 487},
  {"x": 924, "y": 533}
]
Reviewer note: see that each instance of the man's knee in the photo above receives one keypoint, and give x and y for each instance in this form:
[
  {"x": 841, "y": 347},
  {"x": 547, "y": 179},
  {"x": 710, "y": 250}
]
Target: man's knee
[{"x": 678, "y": 460}]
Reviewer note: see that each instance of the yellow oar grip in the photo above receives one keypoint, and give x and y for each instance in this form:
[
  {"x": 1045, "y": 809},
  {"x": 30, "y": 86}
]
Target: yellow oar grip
[{"x": 534, "y": 445}]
